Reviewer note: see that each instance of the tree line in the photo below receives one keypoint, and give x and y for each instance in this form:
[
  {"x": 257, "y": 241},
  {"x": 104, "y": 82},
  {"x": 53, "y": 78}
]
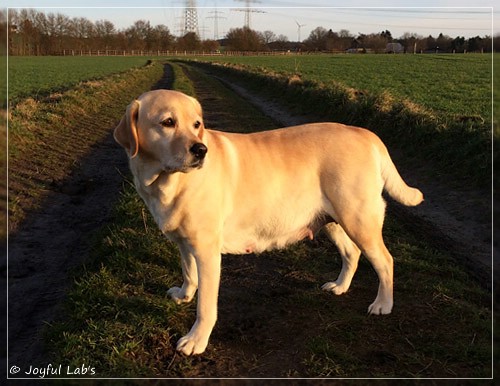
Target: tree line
[
  {"x": 327, "y": 40},
  {"x": 32, "y": 32}
]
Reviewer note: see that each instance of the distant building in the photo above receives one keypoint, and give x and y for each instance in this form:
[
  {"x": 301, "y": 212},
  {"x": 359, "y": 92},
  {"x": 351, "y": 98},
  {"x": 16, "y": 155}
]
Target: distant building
[
  {"x": 394, "y": 48},
  {"x": 356, "y": 51}
]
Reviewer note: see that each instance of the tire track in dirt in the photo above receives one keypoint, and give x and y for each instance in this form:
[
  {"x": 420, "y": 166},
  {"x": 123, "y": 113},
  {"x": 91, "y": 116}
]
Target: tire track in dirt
[
  {"x": 263, "y": 329},
  {"x": 251, "y": 285}
]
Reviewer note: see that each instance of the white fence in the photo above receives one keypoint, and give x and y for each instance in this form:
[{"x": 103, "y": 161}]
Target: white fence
[{"x": 172, "y": 53}]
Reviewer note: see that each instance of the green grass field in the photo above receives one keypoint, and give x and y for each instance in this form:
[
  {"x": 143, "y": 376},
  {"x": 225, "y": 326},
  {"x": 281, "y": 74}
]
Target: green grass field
[
  {"x": 496, "y": 94},
  {"x": 449, "y": 84},
  {"x": 41, "y": 75}
]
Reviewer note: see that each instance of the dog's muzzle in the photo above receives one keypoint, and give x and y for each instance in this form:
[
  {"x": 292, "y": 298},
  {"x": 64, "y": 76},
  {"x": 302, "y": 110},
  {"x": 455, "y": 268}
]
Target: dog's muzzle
[{"x": 199, "y": 150}]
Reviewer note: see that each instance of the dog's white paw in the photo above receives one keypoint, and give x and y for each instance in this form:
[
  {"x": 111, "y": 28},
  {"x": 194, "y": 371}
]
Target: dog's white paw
[
  {"x": 192, "y": 344},
  {"x": 380, "y": 307},
  {"x": 335, "y": 287},
  {"x": 178, "y": 295}
]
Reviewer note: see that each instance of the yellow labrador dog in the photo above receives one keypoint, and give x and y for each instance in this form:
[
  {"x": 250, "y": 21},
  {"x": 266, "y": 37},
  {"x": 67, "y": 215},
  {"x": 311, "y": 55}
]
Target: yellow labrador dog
[{"x": 213, "y": 192}]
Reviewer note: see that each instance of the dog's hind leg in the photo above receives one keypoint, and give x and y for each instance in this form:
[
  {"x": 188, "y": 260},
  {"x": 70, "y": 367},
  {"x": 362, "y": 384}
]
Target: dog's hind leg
[
  {"x": 364, "y": 227},
  {"x": 382, "y": 262},
  {"x": 350, "y": 257}
]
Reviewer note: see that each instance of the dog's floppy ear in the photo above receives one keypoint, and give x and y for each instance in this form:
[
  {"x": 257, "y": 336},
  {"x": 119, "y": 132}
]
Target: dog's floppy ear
[
  {"x": 199, "y": 111},
  {"x": 197, "y": 106},
  {"x": 126, "y": 131}
]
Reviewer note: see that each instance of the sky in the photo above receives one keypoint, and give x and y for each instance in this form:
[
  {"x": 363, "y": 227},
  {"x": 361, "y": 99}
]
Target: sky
[{"x": 450, "y": 17}]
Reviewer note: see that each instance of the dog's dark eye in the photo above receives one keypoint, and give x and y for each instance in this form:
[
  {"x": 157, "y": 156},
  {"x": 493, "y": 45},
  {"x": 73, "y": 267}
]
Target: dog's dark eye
[
  {"x": 169, "y": 122},
  {"x": 197, "y": 124}
]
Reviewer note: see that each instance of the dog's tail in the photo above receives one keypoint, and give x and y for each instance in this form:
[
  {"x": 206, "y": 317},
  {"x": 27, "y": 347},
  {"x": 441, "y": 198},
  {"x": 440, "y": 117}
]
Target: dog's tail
[{"x": 396, "y": 187}]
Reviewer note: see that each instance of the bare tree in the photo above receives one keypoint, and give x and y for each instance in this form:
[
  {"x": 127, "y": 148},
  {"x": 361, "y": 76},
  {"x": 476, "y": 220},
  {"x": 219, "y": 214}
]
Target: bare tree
[
  {"x": 280, "y": 43},
  {"x": 137, "y": 35},
  {"x": 83, "y": 33},
  {"x": 496, "y": 42},
  {"x": 374, "y": 42},
  {"x": 411, "y": 42},
  {"x": 317, "y": 39},
  {"x": 443, "y": 42},
  {"x": 105, "y": 31},
  {"x": 344, "y": 40},
  {"x": 160, "y": 38},
  {"x": 268, "y": 37},
  {"x": 210, "y": 45},
  {"x": 189, "y": 42},
  {"x": 244, "y": 39}
]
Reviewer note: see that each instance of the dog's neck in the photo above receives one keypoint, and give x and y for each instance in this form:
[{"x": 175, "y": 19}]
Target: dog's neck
[{"x": 146, "y": 171}]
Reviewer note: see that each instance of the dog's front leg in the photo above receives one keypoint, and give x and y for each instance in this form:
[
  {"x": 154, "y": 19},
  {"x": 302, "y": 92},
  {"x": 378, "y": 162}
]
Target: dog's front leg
[
  {"x": 209, "y": 268},
  {"x": 190, "y": 278}
]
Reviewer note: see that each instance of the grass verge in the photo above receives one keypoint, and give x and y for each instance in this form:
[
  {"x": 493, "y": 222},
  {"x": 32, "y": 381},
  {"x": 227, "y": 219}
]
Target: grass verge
[
  {"x": 273, "y": 318},
  {"x": 457, "y": 148},
  {"x": 48, "y": 136}
]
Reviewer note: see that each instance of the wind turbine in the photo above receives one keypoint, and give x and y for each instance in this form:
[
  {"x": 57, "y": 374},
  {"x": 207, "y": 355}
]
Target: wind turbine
[{"x": 299, "y": 26}]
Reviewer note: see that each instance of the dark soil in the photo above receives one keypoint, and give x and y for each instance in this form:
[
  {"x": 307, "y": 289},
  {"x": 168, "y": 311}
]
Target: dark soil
[{"x": 53, "y": 241}]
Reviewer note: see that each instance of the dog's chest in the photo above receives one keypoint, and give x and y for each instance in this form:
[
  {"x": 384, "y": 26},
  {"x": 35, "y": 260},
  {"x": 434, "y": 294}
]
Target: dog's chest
[{"x": 161, "y": 206}]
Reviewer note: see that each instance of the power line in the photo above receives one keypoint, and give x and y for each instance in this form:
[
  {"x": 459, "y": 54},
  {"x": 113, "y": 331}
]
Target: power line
[
  {"x": 248, "y": 10},
  {"x": 216, "y": 18}
]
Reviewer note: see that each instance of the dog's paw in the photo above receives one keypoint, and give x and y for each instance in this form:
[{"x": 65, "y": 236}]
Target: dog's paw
[
  {"x": 335, "y": 287},
  {"x": 380, "y": 307},
  {"x": 178, "y": 295},
  {"x": 191, "y": 344}
]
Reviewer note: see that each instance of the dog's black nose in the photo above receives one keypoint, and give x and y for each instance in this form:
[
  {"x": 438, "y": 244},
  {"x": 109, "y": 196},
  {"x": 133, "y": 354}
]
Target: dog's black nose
[{"x": 199, "y": 150}]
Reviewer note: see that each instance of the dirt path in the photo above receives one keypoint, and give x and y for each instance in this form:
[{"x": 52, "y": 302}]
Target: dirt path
[
  {"x": 38, "y": 263},
  {"x": 456, "y": 221}
]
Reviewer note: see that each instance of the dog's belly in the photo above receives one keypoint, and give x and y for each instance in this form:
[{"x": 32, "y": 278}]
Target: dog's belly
[
  {"x": 272, "y": 235},
  {"x": 251, "y": 243}
]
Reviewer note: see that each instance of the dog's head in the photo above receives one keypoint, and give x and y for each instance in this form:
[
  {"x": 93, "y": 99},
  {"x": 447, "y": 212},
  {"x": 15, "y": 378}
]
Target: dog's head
[{"x": 164, "y": 127}]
